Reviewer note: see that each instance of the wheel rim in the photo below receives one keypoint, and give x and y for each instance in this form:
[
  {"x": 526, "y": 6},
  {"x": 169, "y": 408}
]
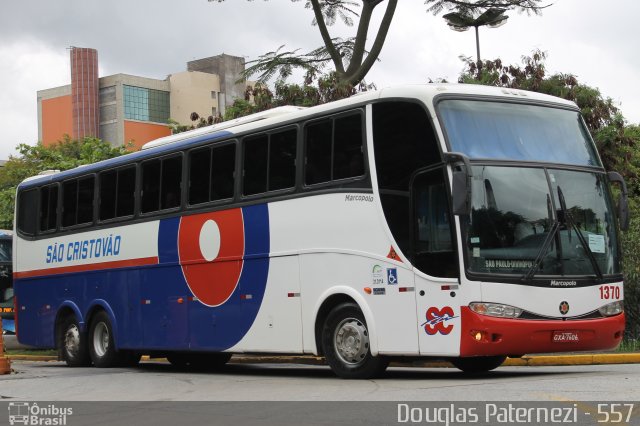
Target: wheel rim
[
  {"x": 351, "y": 341},
  {"x": 72, "y": 341},
  {"x": 101, "y": 339}
]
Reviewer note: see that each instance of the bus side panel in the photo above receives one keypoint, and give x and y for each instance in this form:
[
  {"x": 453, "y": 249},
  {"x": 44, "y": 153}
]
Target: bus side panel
[
  {"x": 393, "y": 315},
  {"x": 164, "y": 316},
  {"x": 278, "y": 325},
  {"x": 35, "y": 321}
]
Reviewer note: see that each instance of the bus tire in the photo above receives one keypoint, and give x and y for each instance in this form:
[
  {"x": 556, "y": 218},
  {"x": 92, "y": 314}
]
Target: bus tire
[
  {"x": 73, "y": 343},
  {"x": 101, "y": 346},
  {"x": 478, "y": 364},
  {"x": 345, "y": 343}
]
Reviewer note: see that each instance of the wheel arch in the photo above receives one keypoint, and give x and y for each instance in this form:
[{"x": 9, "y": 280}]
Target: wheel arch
[
  {"x": 65, "y": 310},
  {"x": 334, "y": 297}
]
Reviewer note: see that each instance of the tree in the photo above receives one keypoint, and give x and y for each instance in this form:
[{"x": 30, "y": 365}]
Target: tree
[
  {"x": 197, "y": 121},
  {"x": 350, "y": 58},
  {"x": 33, "y": 159},
  {"x": 312, "y": 92}
]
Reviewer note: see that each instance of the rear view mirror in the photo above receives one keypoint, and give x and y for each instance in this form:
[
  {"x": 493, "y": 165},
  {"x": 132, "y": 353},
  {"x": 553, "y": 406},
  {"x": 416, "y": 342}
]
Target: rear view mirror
[
  {"x": 623, "y": 201},
  {"x": 461, "y": 183}
]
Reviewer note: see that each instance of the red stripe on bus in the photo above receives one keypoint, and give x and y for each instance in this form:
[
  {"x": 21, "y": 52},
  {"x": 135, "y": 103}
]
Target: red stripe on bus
[{"x": 91, "y": 267}]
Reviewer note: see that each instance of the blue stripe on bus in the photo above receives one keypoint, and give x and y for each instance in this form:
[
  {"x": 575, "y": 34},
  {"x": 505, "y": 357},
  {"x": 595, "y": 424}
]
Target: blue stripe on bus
[{"x": 167, "y": 240}]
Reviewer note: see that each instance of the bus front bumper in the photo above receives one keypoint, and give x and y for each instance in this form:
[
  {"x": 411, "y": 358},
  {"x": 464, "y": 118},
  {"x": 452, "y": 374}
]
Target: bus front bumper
[{"x": 483, "y": 335}]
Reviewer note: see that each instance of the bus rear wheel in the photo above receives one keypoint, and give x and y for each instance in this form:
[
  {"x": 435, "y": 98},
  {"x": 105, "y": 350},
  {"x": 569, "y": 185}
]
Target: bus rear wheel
[
  {"x": 101, "y": 345},
  {"x": 345, "y": 342},
  {"x": 478, "y": 364},
  {"x": 73, "y": 343}
]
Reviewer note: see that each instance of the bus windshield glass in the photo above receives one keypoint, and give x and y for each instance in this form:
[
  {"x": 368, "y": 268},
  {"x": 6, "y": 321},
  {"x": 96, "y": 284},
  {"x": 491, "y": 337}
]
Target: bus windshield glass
[
  {"x": 512, "y": 131},
  {"x": 5, "y": 250},
  {"x": 533, "y": 221}
]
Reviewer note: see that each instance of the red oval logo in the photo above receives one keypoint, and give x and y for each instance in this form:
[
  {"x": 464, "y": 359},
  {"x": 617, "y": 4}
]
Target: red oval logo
[{"x": 210, "y": 248}]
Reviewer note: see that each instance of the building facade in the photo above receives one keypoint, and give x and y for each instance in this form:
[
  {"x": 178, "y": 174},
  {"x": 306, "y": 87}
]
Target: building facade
[{"x": 123, "y": 109}]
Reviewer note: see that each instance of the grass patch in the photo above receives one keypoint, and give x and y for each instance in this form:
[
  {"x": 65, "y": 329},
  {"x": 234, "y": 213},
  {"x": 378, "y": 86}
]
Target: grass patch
[
  {"x": 629, "y": 345},
  {"x": 34, "y": 352}
]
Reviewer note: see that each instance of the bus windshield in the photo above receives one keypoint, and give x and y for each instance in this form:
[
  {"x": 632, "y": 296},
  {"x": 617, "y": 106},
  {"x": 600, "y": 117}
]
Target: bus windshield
[
  {"x": 512, "y": 131},
  {"x": 5, "y": 250},
  {"x": 534, "y": 221}
]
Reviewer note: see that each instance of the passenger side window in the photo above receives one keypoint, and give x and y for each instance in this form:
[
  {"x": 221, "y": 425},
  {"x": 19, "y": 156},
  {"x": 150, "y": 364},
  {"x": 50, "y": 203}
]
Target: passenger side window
[
  {"x": 334, "y": 149},
  {"x": 161, "y": 184},
  {"x": 48, "y": 208},
  {"x": 77, "y": 201},
  {"x": 27, "y": 211},
  {"x": 270, "y": 162},
  {"x": 117, "y": 193},
  {"x": 212, "y": 173}
]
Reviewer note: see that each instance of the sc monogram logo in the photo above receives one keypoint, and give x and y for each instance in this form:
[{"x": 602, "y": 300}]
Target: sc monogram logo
[{"x": 437, "y": 320}]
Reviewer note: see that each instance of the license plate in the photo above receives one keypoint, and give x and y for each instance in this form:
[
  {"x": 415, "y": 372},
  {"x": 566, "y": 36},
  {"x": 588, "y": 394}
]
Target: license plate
[{"x": 565, "y": 337}]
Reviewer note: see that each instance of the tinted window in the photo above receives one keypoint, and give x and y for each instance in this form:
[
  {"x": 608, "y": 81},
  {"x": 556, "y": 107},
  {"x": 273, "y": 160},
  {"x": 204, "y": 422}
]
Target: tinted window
[
  {"x": 77, "y": 201},
  {"x": 108, "y": 190},
  {"x": 403, "y": 142},
  {"x": 256, "y": 151},
  {"x": 150, "y": 186},
  {"x": 348, "y": 160},
  {"x": 282, "y": 160},
  {"x": 223, "y": 172},
  {"x": 161, "y": 184},
  {"x": 69, "y": 202},
  {"x": 199, "y": 175},
  {"x": 48, "y": 207},
  {"x": 211, "y": 173},
  {"x": 117, "y": 193},
  {"x": 270, "y": 162},
  {"x": 433, "y": 250},
  {"x": 334, "y": 149},
  {"x": 126, "y": 201},
  {"x": 318, "y": 141},
  {"x": 27, "y": 211},
  {"x": 171, "y": 182}
]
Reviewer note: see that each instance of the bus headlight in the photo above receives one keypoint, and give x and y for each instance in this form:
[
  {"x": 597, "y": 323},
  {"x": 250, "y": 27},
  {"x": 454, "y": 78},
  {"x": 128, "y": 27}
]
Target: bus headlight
[
  {"x": 611, "y": 309},
  {"x": 495, "y": 310}
]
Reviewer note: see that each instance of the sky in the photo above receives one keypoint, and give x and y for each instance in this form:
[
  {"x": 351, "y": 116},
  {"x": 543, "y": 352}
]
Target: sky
[{"x": 154, "y": 38}]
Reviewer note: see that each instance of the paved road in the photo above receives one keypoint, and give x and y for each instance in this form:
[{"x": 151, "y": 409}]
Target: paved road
[{"x": 158, "y": 381}]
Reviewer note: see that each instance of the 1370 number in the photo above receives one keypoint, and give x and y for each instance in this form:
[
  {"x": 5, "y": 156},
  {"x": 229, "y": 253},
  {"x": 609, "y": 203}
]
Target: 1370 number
[{"x": 609, "y": 292}]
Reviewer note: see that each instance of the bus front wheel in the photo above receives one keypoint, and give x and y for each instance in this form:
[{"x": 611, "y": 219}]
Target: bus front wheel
[
  {"x": 345, "y": 342},
  {"x": 73, "y": 343},
  {"x": 478, "y": 364}
]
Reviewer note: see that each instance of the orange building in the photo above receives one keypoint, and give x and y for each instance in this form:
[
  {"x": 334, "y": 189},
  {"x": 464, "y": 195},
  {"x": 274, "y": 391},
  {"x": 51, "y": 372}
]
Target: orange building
[{"x": 123, "y": 109}]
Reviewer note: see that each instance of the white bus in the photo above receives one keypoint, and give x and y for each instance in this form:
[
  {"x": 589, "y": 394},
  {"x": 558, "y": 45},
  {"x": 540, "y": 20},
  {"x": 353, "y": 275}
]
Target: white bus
[{"x": 447, "y": 221}]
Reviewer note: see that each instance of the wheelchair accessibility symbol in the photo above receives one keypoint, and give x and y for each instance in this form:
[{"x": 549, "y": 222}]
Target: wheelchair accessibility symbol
[{"x": 392, "y": 276}]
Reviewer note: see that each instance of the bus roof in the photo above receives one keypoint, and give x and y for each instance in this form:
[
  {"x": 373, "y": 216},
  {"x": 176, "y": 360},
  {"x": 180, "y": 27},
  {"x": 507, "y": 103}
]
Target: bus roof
[{"x": 424, "y": 92}]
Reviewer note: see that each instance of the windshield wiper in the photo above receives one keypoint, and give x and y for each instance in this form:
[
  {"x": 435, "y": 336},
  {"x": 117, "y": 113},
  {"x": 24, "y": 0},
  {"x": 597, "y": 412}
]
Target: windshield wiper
[
  {"x": 570, "y": 224},
  {"x": 545, "y": 245}
]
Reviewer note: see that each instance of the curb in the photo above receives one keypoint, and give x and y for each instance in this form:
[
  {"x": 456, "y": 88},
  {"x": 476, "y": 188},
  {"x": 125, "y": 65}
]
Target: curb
[
  {"x": 525, "y": 361},
  {"x": 586, "y": 359}
]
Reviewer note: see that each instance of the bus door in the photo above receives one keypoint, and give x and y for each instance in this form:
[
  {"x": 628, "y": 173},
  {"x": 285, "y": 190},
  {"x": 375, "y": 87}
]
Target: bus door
[{"x": 435, "y": 262}]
